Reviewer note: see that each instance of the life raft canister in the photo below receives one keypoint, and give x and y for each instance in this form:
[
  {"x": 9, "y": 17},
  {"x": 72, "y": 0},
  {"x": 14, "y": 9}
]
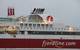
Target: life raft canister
[{"x": 49, "y": 18}]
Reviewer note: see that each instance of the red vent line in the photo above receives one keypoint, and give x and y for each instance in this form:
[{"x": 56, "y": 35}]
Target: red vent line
[{"x": 10, "y": 11}]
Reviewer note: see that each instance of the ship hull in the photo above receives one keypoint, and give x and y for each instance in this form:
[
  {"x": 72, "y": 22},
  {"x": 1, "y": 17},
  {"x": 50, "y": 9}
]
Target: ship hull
[{"x": 39, "y": 43}]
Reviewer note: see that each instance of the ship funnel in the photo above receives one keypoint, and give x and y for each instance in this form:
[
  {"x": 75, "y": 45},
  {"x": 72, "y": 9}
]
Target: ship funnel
[{"x": 38, "y": 11}]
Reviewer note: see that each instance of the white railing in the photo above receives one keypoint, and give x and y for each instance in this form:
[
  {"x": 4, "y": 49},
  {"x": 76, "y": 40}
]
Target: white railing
[{"x": 44, "y": 27}]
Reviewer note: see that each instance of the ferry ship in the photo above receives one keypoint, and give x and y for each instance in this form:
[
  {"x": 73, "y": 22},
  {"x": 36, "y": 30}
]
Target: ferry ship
[{"x": 37, "y": 30}]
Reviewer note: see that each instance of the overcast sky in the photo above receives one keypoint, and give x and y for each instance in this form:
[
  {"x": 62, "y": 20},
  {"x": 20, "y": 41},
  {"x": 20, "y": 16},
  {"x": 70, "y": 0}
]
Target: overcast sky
[{"x": 65, "y": 11}]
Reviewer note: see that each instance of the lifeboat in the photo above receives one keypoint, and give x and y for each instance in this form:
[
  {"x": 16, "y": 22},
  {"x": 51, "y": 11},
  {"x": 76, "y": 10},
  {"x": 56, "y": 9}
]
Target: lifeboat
[{"x": 11, "y": 30}]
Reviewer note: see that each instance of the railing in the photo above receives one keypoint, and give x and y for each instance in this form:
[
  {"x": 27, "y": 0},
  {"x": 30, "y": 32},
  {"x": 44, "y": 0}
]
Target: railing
[{"x": 45, "y": 27}]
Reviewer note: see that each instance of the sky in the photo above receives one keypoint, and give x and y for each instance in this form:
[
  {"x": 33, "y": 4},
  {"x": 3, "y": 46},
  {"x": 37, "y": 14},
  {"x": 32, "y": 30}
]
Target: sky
[{"x": 65, "y": 11}]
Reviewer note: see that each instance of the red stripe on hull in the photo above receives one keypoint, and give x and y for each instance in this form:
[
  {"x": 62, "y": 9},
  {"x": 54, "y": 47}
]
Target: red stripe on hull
[{"x": 39, "y": 43}]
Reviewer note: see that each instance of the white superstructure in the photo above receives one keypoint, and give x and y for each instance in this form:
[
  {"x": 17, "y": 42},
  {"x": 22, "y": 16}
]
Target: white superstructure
[{"x": 37, "y": 25}]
